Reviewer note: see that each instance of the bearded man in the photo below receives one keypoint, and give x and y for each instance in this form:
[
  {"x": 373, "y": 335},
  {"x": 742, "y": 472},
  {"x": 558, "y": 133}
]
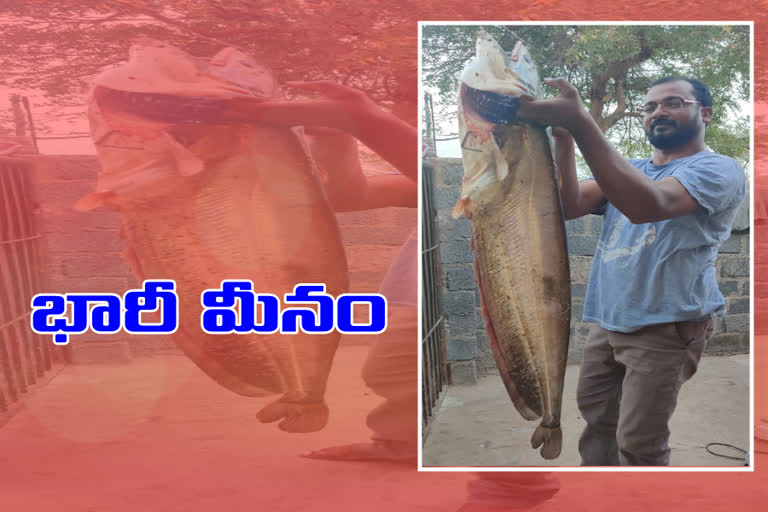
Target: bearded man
[{"x": 652, "y": 293}]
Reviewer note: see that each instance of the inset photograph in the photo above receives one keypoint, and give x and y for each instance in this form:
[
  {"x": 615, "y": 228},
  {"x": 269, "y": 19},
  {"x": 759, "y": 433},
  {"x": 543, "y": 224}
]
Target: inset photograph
[{"x": 585, "y": 242}]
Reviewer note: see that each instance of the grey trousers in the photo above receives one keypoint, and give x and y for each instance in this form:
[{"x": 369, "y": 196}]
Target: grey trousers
[{"x": 628, "y": 387}]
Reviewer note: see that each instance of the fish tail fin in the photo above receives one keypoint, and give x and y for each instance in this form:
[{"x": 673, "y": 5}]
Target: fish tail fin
[
  {"x": 551, "y": 438},
  {"x": 296, "y": 416}
]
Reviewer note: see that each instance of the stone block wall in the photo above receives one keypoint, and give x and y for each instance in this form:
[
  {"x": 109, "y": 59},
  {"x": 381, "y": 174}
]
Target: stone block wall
[
  {"x": 466, "y": 340},
  {"x": 82, "y": 250}
]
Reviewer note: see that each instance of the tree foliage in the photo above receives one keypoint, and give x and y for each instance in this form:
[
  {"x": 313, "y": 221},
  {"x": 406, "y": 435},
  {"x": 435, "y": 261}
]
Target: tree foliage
[
  {"x": 613, "y": 67},
  {"x": 58, "y": 47}
]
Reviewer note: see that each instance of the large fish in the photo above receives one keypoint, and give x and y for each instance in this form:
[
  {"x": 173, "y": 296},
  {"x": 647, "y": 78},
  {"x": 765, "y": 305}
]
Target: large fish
[
  {"x": 202, "y": 201},
  {"x": 511, "y": 194}
]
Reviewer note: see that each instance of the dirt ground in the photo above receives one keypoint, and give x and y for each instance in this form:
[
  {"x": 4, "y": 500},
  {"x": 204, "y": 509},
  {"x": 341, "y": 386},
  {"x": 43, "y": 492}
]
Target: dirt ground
[
  {"x": 479, "y": 426},
  {"x": 159, "y": 435}
]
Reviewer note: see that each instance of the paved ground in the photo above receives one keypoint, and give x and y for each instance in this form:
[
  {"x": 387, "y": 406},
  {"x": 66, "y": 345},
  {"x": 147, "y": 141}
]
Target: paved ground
[
  {"x": 158, "y": 435},
  {"x": 479, "y": 426}
]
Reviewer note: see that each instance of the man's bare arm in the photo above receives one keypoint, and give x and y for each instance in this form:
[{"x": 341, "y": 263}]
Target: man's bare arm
[
  {"x": 345, "y": 109},
  {"x": 578, "y": 199},
  {"x": 638, "y": 197}
]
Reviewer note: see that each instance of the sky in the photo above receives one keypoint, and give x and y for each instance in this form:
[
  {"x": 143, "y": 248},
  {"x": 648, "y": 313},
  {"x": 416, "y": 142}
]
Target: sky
[{"x": 452, "y": 148}]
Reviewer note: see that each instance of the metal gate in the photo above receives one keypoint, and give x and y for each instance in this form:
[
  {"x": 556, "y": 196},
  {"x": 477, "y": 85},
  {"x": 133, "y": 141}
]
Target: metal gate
[
  {"x": 432, "y": 326},
  {"x": 25, "y": 357}
]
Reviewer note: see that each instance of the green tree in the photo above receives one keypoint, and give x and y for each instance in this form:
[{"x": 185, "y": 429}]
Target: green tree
[
  {"x": 56, "y": 48},
  {"x": 613, "y": 67}
]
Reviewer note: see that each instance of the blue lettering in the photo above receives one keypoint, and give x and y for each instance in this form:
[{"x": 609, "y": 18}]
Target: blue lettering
[
  {"x": 230, "y": 309},
  {"x": 233, "y": 308},
  {"x": 156, "y": 296},
  {"x": 107, "y": 318},
  {"x": 270, "y": 314},
  {"x": 307, "y": 319},
  {"x": 45, "y": 308},
  {"x": 377, "y": 316}
]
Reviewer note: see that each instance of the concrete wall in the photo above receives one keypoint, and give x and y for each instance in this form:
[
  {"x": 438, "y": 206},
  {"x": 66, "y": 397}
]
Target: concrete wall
[
  {"x": 467, "y": 348},
  {"x": 83, "y": 251}
]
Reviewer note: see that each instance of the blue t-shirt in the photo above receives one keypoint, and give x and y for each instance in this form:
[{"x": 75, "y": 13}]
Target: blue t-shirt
[{"x": 659, "y": 272}]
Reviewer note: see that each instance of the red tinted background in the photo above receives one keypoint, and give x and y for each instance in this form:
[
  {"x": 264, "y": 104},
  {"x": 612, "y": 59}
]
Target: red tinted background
[{"x": 159, "y": 436}]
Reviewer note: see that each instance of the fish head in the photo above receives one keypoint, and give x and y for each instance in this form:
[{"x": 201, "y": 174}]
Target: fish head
[
  {"x": 158, "y": 116},
  {"x": 156, "y": 67},
  {"x": 153, "y": 67},
  {"x": 243, "y": 71},
  {"x": 495, "y": 70},
  {"x": 491, "y": 84},
  {"x": 493, "y": 81},
  {"x": 162, "y": 85}
]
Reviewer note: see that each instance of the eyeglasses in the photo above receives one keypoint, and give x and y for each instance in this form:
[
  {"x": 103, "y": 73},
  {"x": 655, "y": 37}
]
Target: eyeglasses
[{"x": 671, "y": 103}]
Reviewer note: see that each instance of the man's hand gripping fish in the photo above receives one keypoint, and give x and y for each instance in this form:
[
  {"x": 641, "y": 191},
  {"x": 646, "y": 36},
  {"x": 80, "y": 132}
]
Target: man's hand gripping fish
[
  {"x": 201, "y": 200},
  {"x": 510, "y": 192}
]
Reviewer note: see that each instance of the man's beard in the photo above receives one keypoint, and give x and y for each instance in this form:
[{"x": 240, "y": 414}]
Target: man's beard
[{"x": 679, "y": 135}]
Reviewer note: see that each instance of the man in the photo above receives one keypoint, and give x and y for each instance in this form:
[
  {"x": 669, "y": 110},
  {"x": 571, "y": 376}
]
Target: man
[{"x": 652, "y": 289}]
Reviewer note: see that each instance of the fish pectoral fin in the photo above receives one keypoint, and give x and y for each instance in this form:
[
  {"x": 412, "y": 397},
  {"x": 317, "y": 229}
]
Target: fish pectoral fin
[
  {"x": 461, "y": 208},
  {"x": 97, "y": 200},
  {"x": 501, "y": 165}
]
